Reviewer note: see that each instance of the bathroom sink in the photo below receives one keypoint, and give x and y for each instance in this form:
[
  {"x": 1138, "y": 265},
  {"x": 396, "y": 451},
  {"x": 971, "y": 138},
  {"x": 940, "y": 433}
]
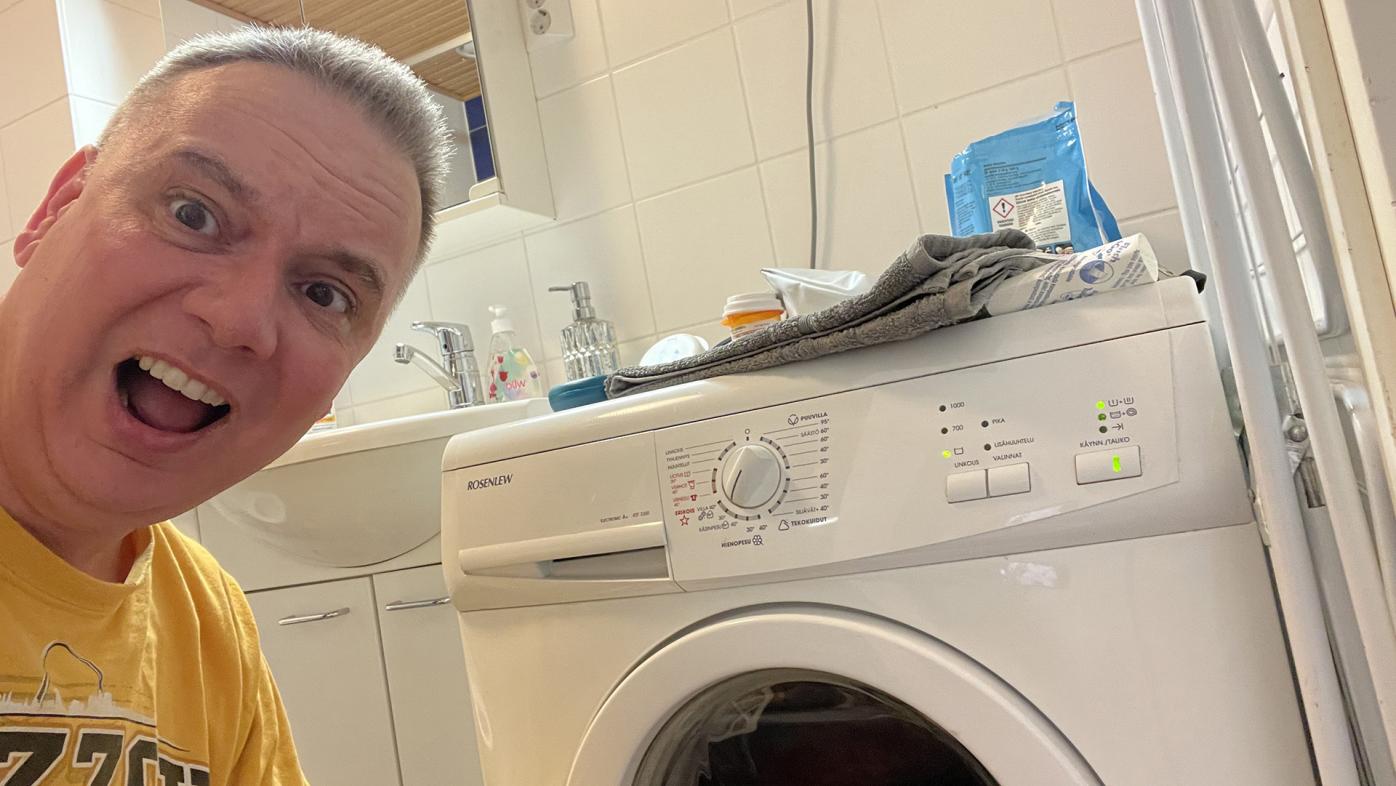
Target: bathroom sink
[{"x": 354, "y": 496}]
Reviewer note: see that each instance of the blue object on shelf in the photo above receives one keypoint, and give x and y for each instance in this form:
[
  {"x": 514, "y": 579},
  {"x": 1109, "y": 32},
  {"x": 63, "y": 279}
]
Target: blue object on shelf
[
  {"x": 578, "y": 393},
  {"x": 480, "y": 150}
]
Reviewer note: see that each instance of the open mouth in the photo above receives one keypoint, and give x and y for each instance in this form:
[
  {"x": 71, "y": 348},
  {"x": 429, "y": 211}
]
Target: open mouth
[{"x": 165, "y": 398}]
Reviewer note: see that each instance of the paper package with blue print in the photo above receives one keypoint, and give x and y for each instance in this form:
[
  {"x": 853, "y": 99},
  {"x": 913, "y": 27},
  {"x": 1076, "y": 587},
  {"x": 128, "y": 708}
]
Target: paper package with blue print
[{"x": 1032, "y": 178}]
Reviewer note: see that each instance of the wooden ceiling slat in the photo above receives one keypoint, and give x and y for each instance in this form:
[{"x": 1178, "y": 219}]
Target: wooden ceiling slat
[{"x": 402, "y": 28}]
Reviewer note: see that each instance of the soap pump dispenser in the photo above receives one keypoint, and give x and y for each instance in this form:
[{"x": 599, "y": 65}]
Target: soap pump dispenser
[
  {"x": 589, "y": 343},
  {"x": 513, "y": 374}
]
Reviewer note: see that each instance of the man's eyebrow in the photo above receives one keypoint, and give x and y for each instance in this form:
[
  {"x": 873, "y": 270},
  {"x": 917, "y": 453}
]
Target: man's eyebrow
[
  {"x": 216, "y": 169},
  {"x": 370, "y": 273}
]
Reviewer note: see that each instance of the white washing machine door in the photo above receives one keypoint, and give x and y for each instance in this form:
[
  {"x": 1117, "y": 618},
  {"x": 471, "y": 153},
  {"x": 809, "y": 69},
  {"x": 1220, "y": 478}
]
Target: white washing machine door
[{"x": 819, "y": 695}]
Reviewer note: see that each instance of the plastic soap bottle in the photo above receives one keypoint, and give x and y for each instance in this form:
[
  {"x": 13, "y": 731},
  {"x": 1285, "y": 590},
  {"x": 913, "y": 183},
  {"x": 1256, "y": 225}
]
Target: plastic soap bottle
[{"x": 513, "y": 374}]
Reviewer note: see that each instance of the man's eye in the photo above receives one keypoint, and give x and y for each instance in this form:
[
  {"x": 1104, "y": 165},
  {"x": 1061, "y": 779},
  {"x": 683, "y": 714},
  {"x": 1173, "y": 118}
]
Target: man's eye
[
  {"x": 195, "y": 216},
  {"x": 326, "y": 296}
]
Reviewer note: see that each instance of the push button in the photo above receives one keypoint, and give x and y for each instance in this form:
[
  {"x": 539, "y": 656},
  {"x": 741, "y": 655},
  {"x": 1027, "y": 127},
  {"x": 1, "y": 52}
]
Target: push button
[
  {"x": 965, "y": 486},
  {"x": 1012, "y": 479},
  {"x": 1106, "y": 465}
]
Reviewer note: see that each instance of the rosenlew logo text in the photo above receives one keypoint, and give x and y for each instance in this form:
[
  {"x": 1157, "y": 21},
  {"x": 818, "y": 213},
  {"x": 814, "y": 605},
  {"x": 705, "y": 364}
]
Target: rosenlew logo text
[{"x": 484, "y": 483}]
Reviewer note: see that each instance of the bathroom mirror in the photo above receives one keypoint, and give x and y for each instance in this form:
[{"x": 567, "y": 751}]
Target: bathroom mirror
[{"x": 450, "y": 44}]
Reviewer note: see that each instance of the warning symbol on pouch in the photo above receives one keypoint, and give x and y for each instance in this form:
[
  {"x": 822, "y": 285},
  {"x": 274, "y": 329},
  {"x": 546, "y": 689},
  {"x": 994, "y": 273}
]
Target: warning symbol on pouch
[{"x": 1004, "y": 207}]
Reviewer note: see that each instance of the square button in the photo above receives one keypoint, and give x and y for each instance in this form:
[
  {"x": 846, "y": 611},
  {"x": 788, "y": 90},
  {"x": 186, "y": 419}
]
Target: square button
[
  {"x": 965, "y": 486},
  {"x": 1104, "y": 465},
  {"x": 1012, "y": 479}
]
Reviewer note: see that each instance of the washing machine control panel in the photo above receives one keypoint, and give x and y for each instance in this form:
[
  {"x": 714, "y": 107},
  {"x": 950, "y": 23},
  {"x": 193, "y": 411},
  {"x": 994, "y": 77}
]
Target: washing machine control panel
[{"x": 934, "y": 459}]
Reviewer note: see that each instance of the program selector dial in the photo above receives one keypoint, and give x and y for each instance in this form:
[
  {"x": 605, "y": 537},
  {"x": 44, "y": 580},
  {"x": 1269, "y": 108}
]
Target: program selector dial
[{"x": 751, "y": 476}]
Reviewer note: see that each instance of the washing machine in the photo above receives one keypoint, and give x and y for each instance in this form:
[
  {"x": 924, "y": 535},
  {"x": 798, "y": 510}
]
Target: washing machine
[{"x": 1018, "y": 551}]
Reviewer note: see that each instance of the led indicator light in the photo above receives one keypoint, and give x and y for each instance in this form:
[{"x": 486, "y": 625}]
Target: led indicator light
[
  {"x": 1100, "y": 405},
  {"x": 1101, "y": 416},
  {"x": 1115, "y": 464},
  {"x": 1104, "y": 430},
  {"x": 945, "y": 453}
]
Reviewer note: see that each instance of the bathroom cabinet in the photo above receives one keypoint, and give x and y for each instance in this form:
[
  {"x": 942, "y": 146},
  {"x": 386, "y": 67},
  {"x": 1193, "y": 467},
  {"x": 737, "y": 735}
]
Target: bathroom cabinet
[{"x": 373, "y": 695}]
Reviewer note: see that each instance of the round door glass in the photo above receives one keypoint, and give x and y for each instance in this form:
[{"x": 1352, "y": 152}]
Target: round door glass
[{"x": 784, "y": 726}]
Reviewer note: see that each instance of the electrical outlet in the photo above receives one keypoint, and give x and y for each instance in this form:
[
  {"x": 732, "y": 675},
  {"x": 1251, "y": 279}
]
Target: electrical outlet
[{"x": 546, "y": 22}]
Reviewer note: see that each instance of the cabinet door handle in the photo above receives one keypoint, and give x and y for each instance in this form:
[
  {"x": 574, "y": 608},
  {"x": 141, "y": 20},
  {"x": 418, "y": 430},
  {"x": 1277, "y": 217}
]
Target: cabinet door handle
[
  {"x": 403, "y": 605},
  {"x": 324, "y": 615}
]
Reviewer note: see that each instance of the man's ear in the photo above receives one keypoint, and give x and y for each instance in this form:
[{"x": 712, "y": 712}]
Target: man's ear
[{"x": 66, "y": 187}]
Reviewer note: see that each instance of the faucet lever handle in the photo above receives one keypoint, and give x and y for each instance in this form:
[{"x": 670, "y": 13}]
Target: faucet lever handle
[{"x": 451, "y": 337}]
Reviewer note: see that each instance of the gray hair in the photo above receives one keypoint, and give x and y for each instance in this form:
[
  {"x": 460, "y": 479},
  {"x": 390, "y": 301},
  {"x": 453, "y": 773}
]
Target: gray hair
[{"x": 389, "y": 94}]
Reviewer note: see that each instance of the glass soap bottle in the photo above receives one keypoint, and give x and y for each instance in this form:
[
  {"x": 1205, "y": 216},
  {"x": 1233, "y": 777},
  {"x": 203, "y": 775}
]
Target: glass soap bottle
[{"x": 589, "y": 343}]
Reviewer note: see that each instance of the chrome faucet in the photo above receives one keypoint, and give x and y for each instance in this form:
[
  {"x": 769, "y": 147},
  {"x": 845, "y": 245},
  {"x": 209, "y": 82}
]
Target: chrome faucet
[{"x": 457, "y": 372}]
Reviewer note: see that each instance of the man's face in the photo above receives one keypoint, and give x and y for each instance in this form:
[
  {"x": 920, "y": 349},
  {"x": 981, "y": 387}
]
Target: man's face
[{"x": 251, "y": 237}]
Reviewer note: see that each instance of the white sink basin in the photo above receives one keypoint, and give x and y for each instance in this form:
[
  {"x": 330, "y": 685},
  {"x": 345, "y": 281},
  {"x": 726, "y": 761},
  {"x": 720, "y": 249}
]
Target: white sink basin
[{"x": 353, "y": 496}]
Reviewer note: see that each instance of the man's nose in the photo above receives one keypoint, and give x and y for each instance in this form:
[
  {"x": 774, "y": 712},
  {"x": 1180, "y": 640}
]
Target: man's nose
[{"x": 238, "y": 306}]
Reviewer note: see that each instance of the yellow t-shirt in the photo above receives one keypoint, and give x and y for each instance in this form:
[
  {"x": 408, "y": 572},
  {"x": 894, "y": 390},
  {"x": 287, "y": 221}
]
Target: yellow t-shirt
[{"x": 159, "y": 681}]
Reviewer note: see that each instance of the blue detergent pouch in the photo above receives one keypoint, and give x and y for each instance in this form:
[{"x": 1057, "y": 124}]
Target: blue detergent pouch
[{"x": 1031, "y": 177}]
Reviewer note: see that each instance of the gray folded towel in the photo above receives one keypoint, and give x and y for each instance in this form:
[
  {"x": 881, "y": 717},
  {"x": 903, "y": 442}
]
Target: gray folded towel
[{"x": 939, "y": 281}]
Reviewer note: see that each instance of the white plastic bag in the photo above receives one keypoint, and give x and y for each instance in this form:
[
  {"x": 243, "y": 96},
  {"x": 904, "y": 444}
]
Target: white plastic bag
[{"x": 805, "y": 291}]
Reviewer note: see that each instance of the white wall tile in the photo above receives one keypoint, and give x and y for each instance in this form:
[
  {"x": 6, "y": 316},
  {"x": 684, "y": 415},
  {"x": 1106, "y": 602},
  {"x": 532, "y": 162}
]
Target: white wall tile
[
  {"x": 741, "y": 8},
  {"x": 940, "y": 49},
  {"x": 867, "y": 215},
  {"x": 1090, "y": 26},
  {"x": 603, "y": 251},
  {"x": 107, "y": 47},
  {"x": 1165, "y": 233},
  {"x": 703, "y": 243},
  {"x": 34, "y": 148},
  {"x": 574, "y": 61},
  {"x": 463, "y": 289},
  {"x": 150, "y": 8},
  {"x": 631, "y": 351},
  {"x": 7, "y": 227},
  {"x": 852, "y": 87},
  {"x": 554, "y": 372},
  {"x": 1120, "y": 131},
  {"x": 682, "y": 115},
  {"x": 89, "y": 119},
  {"x": 30, "y": 45},
  {"x": 935, "y": 135},
  {"x": 586, "y": 162},
  {"x": 378, "y": 376},
  {"x": 184, "y": 20},
  {"x": 635, "y": 28}
]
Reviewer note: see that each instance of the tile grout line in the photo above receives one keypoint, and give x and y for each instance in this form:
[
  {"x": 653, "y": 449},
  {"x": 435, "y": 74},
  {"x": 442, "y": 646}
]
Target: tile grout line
[
  {"x": 901, "y": 126},
  {"x": 36, "y": 111},
  {"x": 751, "y": 131}
]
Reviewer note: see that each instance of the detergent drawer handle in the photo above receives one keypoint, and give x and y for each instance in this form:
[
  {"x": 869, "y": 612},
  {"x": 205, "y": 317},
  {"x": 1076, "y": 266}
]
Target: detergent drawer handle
[
  {"x": 324, "y": 615},
  {"x": 404, "y": 605},
  {"x": 613, "y": 540}
]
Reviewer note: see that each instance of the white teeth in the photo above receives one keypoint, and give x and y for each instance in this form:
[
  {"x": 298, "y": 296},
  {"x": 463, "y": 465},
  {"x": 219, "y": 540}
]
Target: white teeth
[
  {"x": 176, "y": 379},
  {"x": 194, "y": 389}
]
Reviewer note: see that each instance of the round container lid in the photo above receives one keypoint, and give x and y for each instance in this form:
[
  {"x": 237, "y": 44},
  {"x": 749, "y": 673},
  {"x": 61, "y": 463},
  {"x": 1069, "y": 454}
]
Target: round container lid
[
  {"x": 578, "y": 393},
  {"x": 752, "y": 301}
]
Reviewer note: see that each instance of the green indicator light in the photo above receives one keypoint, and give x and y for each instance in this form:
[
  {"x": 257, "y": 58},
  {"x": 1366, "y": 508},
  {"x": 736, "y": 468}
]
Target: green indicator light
[
  {"x": 1101, "y": 416},
  {"x": 1100, "y": 405},
  {"x": 945, "y": 453},
  {"x": 1115, "y": 464}
]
